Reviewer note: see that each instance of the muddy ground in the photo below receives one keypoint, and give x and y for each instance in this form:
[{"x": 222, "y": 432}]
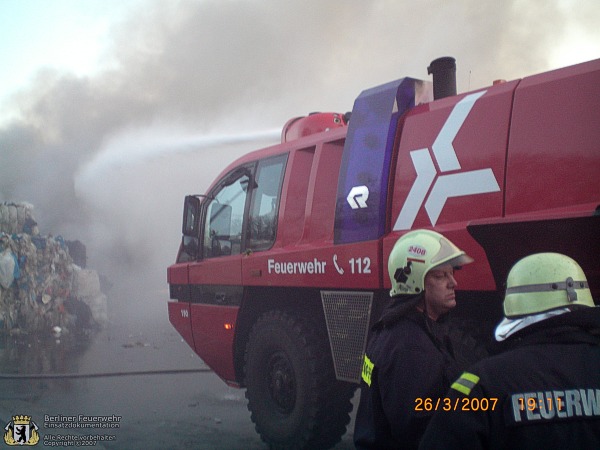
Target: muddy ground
[{"x": 193, "y": 410}]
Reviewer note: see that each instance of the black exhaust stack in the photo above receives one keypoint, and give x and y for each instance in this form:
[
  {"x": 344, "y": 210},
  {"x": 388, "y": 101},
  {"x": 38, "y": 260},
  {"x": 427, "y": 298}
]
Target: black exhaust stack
[{"x": 444, "y": 77}]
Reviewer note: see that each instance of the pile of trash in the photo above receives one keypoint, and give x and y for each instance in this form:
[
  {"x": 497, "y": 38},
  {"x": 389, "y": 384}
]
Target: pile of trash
[{"x": 43, "y": 287}]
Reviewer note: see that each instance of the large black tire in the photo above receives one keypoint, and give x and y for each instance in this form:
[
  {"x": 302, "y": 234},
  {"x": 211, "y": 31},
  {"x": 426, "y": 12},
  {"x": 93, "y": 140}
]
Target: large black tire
[{"x": 294, "y": 398}]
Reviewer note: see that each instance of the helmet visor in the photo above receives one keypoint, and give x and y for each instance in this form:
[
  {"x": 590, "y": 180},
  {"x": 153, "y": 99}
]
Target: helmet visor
[
  {"x": 457, "y": 261},
  {"x": 449, "y": 254}
]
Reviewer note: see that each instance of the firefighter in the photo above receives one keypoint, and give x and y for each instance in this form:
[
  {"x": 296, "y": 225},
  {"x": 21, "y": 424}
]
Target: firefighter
[
  {"x": 412, "y": 355},
  {"x": 544, "y": 391}
]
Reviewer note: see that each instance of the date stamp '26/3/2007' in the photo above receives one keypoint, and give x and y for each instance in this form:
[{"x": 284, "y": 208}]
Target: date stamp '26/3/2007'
[
  {"x": 524, "y": 402},
  {"x": 456, "y": 404},
  {"x": 525, "y": 406}
]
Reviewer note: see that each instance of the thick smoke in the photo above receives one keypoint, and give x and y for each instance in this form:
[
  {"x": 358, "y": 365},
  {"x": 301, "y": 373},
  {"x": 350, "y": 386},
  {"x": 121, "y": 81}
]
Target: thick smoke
[{"x": 108, "y": 158}]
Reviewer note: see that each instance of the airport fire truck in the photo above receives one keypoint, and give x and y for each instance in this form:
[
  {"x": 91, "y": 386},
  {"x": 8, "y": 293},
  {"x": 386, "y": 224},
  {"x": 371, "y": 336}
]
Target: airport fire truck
[{"x": 282, "y": 265}]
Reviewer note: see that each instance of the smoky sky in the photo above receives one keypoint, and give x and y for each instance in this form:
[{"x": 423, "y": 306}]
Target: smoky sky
[{"x": 107, "y": 158}]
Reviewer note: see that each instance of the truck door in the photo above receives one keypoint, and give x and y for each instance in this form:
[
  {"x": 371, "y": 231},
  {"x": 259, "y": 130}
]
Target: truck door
[{"x": 215, "y": 278}]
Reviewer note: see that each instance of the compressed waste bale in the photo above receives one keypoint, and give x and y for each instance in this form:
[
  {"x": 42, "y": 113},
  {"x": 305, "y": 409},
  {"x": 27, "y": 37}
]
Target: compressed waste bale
[
  {"x": 41, "y": 287},
  {"x": 12, "y": 219},
  {"x": 17, "y": 218},
  {"x": 78, "y": 252},
  {"x": 98, "y": 305},
  {"x": 86, "y": 287},
  {"x": 3, "y": 217},
  {"x": 86, "y": 283}
]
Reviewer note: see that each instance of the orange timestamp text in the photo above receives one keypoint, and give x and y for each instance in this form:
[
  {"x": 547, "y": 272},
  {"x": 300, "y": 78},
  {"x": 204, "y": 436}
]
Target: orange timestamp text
[{"x": 456, "y": 404}]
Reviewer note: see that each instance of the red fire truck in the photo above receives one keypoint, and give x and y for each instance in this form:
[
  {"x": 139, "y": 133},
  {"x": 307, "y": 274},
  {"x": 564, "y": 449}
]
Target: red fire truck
[{"x": 282, "y": 264}]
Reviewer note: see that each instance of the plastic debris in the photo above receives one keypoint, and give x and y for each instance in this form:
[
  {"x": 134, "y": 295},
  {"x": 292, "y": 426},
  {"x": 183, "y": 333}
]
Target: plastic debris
[
  {"x": 8, "y": 266},
  {"x": 41, "y": 288}
]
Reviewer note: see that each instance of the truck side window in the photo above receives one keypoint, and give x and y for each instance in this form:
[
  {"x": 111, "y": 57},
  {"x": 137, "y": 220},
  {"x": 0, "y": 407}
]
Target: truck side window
[
  {"x": 224, "y": 219},
  {"x": 264, "y": 207}
]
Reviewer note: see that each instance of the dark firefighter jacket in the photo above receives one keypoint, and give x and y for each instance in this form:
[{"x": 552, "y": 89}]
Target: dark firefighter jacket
[
  {"x": 544, "y": 392},
  {"x": 409, "y": 359}
]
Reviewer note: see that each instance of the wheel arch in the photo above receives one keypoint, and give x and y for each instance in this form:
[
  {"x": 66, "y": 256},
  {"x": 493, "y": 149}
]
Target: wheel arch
[{"x": 303, "y": 303}]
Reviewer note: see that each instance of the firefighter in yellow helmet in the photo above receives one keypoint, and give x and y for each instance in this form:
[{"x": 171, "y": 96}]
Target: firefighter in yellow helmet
[
  {"x": 412, "y": 354},
  {"x": 544, "y": 391}
]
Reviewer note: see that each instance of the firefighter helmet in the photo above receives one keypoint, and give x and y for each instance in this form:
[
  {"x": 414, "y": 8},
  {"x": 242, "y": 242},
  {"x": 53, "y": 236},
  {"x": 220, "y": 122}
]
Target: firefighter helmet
[
  {"x": 543, "y": 282},
  {"x": 415, "y": 254}
]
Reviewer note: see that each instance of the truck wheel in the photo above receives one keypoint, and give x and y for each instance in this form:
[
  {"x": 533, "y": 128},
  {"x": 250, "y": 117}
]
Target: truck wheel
[{"x": 293, "y": 396}]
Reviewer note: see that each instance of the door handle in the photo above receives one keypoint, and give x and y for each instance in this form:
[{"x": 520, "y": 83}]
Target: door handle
[{"x": 220, "y": 297}]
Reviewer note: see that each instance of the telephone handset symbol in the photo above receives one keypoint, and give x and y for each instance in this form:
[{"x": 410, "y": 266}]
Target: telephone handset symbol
[{"x": 338, "y": 268}]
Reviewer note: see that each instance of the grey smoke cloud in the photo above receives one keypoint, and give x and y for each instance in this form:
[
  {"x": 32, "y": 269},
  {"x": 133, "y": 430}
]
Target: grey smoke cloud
[{"x": 107, "y": 158}]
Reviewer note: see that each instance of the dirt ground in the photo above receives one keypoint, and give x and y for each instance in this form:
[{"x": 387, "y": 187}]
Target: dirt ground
[{"x": 193, "y": 410}]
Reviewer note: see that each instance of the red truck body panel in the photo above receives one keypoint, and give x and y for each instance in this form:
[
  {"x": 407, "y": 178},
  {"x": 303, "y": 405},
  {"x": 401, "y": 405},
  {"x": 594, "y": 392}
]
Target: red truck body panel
[
  {"x": 469, "y": 166},
  {"x": 214, "y": 328},
  {"x": 551, "y": 142}
]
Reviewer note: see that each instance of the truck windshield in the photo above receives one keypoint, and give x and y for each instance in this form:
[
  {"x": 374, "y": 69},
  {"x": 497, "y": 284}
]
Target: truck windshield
[{"x": 223, "y": 227}]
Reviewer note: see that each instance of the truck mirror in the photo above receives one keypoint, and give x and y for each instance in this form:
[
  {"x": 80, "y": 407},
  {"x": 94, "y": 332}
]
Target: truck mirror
[{"x": 191, "y": 215}]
